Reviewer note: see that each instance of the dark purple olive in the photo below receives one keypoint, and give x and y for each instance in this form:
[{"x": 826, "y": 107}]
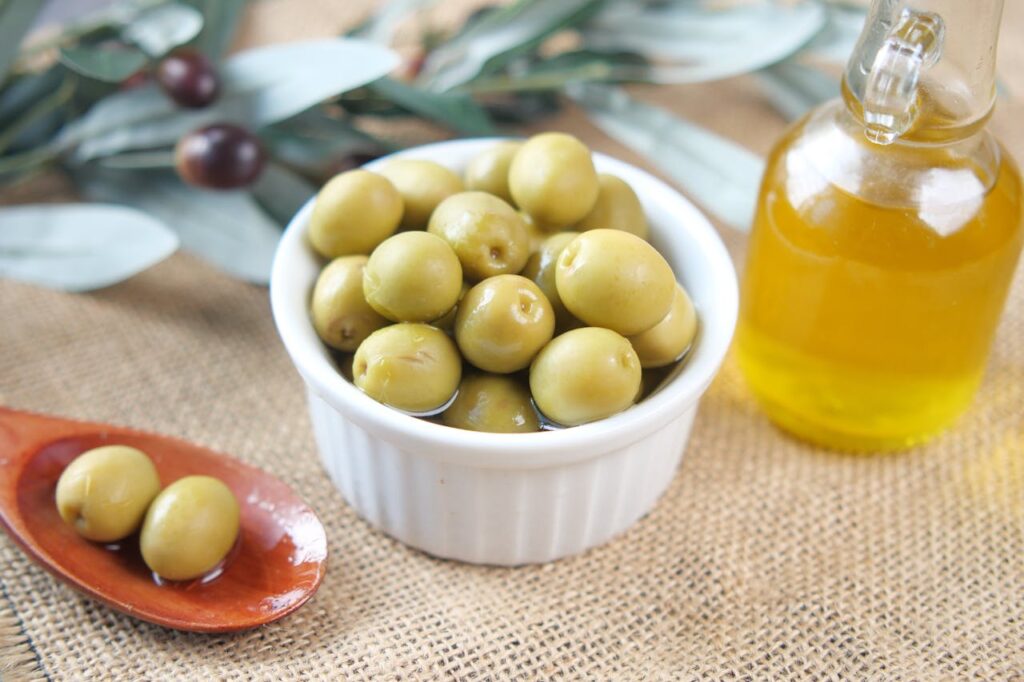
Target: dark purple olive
[
  {"x": 220, "y": 156},
  {"x": 188, "y": 78}
]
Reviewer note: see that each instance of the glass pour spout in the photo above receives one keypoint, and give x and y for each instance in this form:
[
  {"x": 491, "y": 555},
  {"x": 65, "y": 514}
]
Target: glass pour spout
[{"x": 890, "y": 94}]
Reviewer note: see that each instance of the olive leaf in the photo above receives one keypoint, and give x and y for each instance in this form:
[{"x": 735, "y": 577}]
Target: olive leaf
[
  {"x": 840, "y": 34},
  {"x": 281, "y": 192},
  {"x": 794, "y": 88},
  {"x": 260, "y": 87},
  {"x": 688, "y": 43},
  {"x": 381, "y": 26},
  {"x": 719, "y": 174},
  {"x": 226, "y": 228},
  {"x": 457, "y": 111},
  {"x": 220, "y": 21},
  {"x": 16, "y": 17},
  {"x": 162, "y": 28},
  {"x": 103, "y": 62},
  {"x": 80, "y": 247},
  {"x": 568, "y": 67},
  {"x": 498, "y": 38},
  {"x": 315, "y": 143},
  {"x": 21, "y": 93}
]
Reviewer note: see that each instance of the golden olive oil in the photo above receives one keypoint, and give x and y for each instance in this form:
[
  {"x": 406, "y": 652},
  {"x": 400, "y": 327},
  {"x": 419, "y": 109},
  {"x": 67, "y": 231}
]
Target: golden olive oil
[{"x": 866, "y": 322}]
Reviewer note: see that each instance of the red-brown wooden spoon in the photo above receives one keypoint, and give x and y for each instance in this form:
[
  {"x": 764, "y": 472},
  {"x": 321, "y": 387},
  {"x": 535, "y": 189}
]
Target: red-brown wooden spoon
[{"x": 276, "y": 565}]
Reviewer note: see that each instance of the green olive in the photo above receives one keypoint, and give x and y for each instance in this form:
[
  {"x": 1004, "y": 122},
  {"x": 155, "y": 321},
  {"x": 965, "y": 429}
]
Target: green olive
[
  {"x": 423, "y": 185},
  {"x": 104, "y": 492},
  {"x": 414, "y": 367},
  {"x": 663, "y": 343},
  {"x": 541, "y": 269},
  {"x": 190, "y": 528},
  {"x": 488, "y": 170},
  {"x": 614, "y": 279},
  {"x": 489, "y": 236},
  {"x": 585, "y": 375},
  {"x": 447, "y": 321},
  {"x": 536, "y": 233},
  {"x": 552, "y": 178},
  {"x": 354, "y": 212},
  {"x": 494, "y": 403},
  {"x": 617, "y": 208},
  {"x": 502, "y": 323},
  {"x": 412, "y": 277},
  {"x": 341, "y": 316}
]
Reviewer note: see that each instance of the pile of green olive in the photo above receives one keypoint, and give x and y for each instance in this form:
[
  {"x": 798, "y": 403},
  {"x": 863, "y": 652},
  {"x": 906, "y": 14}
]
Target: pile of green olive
[
  {"x": 532, "y": 271},
  {"x": 108, "y": 493}
]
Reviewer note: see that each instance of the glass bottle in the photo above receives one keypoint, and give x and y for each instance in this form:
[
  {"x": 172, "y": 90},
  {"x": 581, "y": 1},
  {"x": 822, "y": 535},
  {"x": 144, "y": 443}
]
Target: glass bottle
[{"x": 887, "y": 233}]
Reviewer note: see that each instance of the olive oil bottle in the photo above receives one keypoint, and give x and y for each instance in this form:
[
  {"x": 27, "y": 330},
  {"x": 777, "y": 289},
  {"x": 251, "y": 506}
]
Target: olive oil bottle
[{"x": 887, "y": 233}]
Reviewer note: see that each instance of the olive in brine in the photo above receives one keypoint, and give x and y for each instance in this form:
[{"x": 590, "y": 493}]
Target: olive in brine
[
  {"x": 423, "y": 185},
  {"x": 492, "y": 403},
  {"x": 353, "y": 213},
  {"x": 410, "y": 366},
  {"x": 617, "y": 208},
  {"x": 104, "y": 492},
  {"x": 502, "y": 323},
  {"x": 666, "y": 341},
  {"x": 341, "y": 315},
  {"x": 552, "y": 178},
  {"x": 488, "y": 170},
  {"x": 488, "y": 235},
  {"x": 614, "y": 279},
  {"x": 412, "y": 277},
  {"x": 585, "y": 375},
  {"x": 190, "y": 528},
  {"x": 541, "y": 269}
]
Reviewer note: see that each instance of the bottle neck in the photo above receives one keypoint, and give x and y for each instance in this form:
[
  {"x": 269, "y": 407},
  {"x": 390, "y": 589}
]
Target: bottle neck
[{"x": 924, "y": 70}]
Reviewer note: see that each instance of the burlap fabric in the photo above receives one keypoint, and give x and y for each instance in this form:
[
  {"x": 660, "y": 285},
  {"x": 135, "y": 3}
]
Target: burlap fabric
[{"x": 766, "y": 559}]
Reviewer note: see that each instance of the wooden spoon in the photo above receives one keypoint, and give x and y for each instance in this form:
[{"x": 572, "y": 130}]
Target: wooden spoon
[{"x": 275, "y": 567}]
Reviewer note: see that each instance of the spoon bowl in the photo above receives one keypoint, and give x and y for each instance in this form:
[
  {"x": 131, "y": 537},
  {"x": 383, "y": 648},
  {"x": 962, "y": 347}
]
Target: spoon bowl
[{"x": 275, "y": 566}]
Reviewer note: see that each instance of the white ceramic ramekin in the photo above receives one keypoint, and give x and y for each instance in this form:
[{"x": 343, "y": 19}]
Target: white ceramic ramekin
[{"x": 510, "y": 498}]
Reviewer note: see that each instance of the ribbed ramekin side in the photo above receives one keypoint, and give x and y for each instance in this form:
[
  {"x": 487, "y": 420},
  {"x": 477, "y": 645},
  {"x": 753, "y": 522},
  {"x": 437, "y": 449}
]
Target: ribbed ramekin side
[{"x": 496, "y": 516}]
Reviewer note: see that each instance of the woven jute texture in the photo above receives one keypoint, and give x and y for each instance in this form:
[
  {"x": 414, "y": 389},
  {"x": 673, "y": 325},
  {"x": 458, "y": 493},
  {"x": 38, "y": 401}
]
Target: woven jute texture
[{"x": 766, "y": 558}]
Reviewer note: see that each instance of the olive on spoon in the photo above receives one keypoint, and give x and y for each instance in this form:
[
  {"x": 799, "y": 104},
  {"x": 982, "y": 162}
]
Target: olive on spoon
[{"x": 275, "y": 566}]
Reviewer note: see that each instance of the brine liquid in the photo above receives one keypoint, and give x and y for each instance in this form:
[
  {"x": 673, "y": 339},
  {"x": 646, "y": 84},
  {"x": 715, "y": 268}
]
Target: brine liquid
[{"x": 866, "y": 326}]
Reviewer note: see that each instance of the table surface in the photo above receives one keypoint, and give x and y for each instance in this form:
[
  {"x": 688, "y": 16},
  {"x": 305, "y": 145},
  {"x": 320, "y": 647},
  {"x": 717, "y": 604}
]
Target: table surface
[{"x": 766, "y": 558}]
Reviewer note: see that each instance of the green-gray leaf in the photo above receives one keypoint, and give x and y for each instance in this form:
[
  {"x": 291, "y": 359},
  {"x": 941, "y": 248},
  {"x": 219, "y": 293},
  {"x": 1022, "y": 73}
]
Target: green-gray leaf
[
  {"x": 102, "y": 63},
  {"x": 381, "y": 26},
  {"x": 313, "y": 141},
  {"x": 80, "y": 247},
  {"x": 24, "y": 92},
  {"x": 226, "y": 228},
  {"x": 706, "y": 44},
  {"x": 841, "y": 33},
  {"x": 577, "y": 66},
  {"x": 162, "y": 28},
  {"x": 220, "y": 19},
  {"x": 719, "y": 174},
  {"x": 260, "y": 87},
  {"x": 281, "y": 192},
  {"x": 16, "y": 18},
  {"x": 498, "y": 38},
  {"x": 456, "y": 111},
  {"x": 795, "y": 88}
]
